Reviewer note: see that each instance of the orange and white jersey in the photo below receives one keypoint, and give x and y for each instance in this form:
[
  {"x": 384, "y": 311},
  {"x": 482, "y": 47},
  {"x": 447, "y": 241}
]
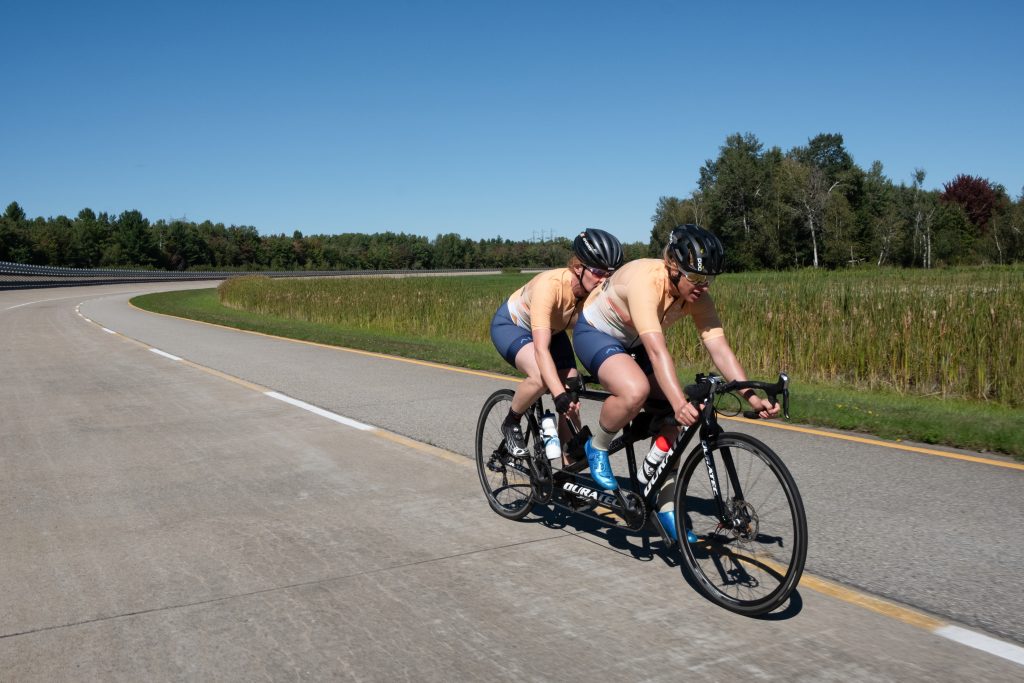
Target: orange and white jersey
[
  {"x": 639, "y": 298},
  {"x": 545, "y": 302}
]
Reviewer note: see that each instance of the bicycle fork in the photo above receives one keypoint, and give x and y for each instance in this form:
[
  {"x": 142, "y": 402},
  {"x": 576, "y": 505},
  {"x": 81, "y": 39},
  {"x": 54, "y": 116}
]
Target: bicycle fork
[{"x": 727, "y": 514}]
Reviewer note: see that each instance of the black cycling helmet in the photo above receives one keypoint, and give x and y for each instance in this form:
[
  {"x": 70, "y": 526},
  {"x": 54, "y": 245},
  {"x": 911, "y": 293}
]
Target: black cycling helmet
[
  {"x": 696, "y": 250},
  {"x": 598, "y": 249}
]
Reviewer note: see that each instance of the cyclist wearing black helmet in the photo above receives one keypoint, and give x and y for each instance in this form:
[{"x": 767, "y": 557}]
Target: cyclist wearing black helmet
[
  {"x": 629, "y": 314},
  {"x": 529, "y": 329}
]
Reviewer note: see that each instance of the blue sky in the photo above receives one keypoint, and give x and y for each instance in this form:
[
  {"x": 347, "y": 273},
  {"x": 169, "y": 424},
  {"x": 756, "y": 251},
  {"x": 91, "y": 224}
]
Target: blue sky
[{"x": 487, "y": 119}]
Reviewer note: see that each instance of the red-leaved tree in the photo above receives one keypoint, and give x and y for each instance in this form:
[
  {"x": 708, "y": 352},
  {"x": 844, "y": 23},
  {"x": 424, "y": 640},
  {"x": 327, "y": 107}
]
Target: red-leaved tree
[{"x": 977, "y": 197}]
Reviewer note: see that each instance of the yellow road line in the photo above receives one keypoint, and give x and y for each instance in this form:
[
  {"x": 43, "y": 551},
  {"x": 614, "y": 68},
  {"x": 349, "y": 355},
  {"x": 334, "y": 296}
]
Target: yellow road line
[
  {"x": 851, "y": 596},
  {"x": 203, "y": 368},
  {"x": 361, "y": 352},
  {"x": 425, "y": 448},
  {"x": 377, "y": 431},
  {"x": 836, "y": 590},
  {"x": 878, "y": 605},
  {"x": 491, "y": 375},
  {"x": 224, "y": 375},
  {"x": 875, "y": 442}
]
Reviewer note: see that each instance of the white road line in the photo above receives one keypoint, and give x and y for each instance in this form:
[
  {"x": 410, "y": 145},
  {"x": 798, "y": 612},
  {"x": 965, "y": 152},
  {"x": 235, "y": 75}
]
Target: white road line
[
  {"x": 164, "y": 354},
  {"x": 321, "y": 412},
  {"x": 993, "y": 646},
  {"x": 963, "y": 636},
  {"x": 988, "y": 644},
  {"x": 40, "y": 301},
  {"x": 107, "y": 330}
]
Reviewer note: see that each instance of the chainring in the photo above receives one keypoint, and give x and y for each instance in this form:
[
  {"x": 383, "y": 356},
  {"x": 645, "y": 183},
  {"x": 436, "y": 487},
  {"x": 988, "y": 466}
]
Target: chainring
[
  {"x": 541, "y": 479},
  {"x": 634, "y": 510}
]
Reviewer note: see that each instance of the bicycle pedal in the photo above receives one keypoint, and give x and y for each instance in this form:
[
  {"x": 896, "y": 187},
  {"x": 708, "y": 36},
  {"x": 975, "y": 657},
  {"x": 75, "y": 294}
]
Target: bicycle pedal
[
  {"x": 574, "y": 456},
  {"x": 576, "y": 466},
  {"x": 574, "y": 448},
  {"x": 576, "y": 505}
]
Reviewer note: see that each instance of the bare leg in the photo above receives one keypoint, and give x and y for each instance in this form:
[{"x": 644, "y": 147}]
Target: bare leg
[
  {"x": 531, "y": 388},
  {"x": 629, "y": 387},
  {"x": 670, "y": 430}
]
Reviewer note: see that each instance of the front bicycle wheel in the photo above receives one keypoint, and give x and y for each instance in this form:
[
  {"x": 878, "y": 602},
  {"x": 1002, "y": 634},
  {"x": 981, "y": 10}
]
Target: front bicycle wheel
[
  {"x": 504, "y": 477},
  {"x": 749, "y": 556}
]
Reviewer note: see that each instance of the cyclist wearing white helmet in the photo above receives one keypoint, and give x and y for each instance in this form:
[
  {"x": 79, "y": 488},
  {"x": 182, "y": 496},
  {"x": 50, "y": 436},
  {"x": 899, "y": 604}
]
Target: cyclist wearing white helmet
[
  {"x": 629, "y": 314},
  {"x": 529, "y": 329}
]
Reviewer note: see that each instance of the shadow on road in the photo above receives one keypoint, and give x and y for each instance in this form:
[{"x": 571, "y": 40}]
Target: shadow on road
[{"x": 639, "y": 545}]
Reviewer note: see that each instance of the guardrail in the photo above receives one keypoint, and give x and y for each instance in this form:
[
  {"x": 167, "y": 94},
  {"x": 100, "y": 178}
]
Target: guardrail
[{"x": 22, "y": 276}]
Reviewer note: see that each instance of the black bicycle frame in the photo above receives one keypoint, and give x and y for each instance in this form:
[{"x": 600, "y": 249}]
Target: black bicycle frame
[
  {"x": 709, "y": 430},
  {"x": 704, "y": 392}
]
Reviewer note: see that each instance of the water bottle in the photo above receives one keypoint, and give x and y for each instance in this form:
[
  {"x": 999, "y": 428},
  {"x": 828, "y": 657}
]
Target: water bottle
[
  {"x": 549, "y": 430},
  {"x": 650, "y": 464}
]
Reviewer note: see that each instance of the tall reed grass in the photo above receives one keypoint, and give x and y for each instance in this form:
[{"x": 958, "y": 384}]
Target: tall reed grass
[
  {"x": 956, "y": 333},
  {"x": 456, "y": 308},
  {"x": 946, "y": 333}
]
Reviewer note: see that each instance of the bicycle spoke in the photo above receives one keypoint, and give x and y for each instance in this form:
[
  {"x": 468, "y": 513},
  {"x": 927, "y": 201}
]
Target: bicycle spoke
[
  {"x": 751, "y": 560},
  {"x": 504, "y": 478}
]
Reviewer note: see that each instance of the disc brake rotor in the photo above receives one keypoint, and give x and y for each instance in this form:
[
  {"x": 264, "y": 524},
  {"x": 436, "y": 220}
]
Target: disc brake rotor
[{"x": 745, "y": 523}]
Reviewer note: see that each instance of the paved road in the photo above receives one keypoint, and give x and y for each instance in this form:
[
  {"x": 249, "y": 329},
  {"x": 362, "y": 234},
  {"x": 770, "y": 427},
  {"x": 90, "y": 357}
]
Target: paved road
[{"x": 167, "y": 522}]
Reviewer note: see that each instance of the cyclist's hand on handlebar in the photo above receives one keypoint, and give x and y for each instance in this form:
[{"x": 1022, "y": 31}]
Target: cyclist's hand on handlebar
[
  {"x": 687, "y": 414},
  {"x": 765, "y": 409}
]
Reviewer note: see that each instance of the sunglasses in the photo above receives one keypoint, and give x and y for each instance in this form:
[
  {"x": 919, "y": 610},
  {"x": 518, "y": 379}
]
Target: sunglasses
[
  {"x": 599, "y": 272},
  {"x": 699, "y": 280}
]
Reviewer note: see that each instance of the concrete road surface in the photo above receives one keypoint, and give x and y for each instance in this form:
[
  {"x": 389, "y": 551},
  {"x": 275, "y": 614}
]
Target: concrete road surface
[{"x": 166, "y": 519}]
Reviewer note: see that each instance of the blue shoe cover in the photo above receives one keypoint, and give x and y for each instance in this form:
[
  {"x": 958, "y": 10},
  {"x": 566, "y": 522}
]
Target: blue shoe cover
[
  {"x": 600, "y": 468},
  {"x": 668, "y": 520}
]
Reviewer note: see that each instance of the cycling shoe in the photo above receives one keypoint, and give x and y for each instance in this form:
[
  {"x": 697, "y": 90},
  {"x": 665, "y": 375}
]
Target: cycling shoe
[
  {"x": 515, "y": 443},
  {"x": 668, "y": 521},
  {"x": 600, "y": 468}
]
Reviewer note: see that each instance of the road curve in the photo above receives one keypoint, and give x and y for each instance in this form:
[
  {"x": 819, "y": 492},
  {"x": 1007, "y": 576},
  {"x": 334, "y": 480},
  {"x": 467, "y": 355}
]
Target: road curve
[{"x": 166, "y": 518}]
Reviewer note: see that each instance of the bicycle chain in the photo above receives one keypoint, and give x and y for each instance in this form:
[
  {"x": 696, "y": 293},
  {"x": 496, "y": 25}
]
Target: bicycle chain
[{"x": 541, "y": 479}]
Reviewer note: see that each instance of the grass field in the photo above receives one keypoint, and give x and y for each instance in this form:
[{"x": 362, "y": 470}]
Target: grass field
[{"x": 931, "y": 357}]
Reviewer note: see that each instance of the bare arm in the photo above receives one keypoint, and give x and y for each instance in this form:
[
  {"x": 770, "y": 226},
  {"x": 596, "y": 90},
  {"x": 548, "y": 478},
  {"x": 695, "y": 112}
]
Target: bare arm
[
  {"x": 546, "y": 365},
  {"x": 725, "y": 360},
  {"x": 665, "y": 375}
]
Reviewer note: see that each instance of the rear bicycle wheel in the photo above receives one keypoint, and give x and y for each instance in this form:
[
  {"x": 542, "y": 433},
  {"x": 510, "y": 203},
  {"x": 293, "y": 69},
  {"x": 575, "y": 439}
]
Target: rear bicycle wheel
[
  {"x": 750, "y": 561},
  {"x": 504, "y": 477}
]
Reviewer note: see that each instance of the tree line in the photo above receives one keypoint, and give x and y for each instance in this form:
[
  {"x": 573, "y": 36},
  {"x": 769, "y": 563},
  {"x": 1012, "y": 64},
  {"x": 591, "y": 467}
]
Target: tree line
[
  {"x": 129, "y": 240},
  {"x": 813, "y": 206},
  {"x": 809, "y": 206}
]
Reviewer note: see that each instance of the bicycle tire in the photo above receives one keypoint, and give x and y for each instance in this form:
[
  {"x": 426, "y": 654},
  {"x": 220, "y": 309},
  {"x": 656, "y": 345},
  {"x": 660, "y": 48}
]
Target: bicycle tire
[
  {"x": 745, "y": 570},
  {"x": 505, "y": 479}
]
